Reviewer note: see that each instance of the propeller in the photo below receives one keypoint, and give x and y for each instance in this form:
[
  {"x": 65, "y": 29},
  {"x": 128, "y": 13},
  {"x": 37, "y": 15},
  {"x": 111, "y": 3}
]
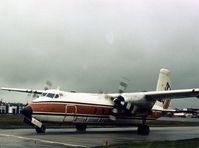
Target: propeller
[
  {"x": 123, "y": 85},
  {"x": 33, "y": 95},
  {"x": 119, "y": 106},
  {"x": 47, "y": 86}
]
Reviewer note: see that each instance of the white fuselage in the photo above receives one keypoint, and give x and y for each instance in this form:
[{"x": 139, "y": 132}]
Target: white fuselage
[{"x": 82, "y": 108}]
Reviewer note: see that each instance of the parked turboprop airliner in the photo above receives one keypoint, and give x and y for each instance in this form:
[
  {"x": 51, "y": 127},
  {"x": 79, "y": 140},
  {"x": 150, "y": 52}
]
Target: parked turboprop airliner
[{"x": 82, "y": 109}]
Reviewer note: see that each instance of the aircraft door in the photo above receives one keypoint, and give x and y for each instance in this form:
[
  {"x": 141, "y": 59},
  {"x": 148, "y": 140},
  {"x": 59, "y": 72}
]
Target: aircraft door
[{"x": 70, "y": 111}]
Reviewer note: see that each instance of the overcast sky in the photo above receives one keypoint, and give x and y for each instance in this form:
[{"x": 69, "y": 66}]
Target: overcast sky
[{"x": 88, "y": 45}]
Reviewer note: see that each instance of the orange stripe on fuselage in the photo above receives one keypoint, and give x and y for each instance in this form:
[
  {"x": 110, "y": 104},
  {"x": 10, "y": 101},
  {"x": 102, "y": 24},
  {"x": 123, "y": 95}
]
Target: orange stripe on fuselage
[
  {"x": 80, "y": 109},
  {"x": 59, "y": 108},
  {"x": 71, "y": 108}
]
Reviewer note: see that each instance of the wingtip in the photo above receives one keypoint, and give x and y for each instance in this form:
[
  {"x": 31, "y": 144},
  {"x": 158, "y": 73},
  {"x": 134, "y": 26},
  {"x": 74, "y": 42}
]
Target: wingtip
[{"x": 3, "y": 88}]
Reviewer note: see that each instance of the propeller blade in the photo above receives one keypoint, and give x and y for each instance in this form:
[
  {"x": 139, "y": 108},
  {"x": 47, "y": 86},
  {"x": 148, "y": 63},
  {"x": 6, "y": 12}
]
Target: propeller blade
[
  {"x": 128, "y": 106},
  {"x": 123, "y": 85},
  {"x": 111, "y": 117}
]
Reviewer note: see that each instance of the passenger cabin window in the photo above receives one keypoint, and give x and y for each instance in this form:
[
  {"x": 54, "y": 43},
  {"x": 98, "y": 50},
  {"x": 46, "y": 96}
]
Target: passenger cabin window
[
  {"x": 103, "y": 111},
  {"x": 95, "y": 110}
]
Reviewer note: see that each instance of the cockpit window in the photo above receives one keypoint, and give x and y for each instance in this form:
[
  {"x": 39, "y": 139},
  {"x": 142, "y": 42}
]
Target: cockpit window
[
  {"x": 56, "y": 96},
  {"x": 50, "y": 95}
]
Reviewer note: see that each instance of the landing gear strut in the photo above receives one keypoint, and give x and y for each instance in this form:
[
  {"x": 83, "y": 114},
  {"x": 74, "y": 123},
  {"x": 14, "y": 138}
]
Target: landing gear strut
[
  {"x": 39, "y": 127},
  {"x": 81, "y": 127},
  {"x": 30, "y": 120},
  {"x": 143, "y": 129}
]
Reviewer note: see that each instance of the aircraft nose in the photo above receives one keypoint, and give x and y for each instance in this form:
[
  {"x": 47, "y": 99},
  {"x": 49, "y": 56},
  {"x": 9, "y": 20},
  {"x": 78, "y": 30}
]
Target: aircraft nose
[{"x": 27, "y": 112}]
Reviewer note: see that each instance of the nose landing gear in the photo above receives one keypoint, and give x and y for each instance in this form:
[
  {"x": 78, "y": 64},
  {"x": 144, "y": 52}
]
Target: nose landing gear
[
  {"x": 39, "y": 127},
  {"x": 40, "y": 130}
]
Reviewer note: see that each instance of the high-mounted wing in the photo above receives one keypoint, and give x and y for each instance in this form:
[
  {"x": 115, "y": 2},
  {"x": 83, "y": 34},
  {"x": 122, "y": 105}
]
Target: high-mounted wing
[
  {"x": 171, "y": 94},
  {"x": 130, "y": 102},
  {"x": 24, "y": 90}
]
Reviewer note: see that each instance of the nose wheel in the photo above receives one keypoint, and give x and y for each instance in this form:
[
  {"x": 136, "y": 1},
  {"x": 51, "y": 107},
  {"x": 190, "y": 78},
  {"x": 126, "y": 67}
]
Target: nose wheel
[
  {"x": 39, "y": 126},
  {"x": 30, "y": 120},
  {"x": 40, "y": 130}
]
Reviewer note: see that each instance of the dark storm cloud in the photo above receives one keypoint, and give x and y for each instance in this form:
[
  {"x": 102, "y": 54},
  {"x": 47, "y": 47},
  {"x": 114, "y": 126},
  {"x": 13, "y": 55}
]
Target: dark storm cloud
[{"x": 89, "y": 45}]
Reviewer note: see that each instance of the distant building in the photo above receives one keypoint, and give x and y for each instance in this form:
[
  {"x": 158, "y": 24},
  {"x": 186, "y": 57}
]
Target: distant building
[
  {"x": 187, "y": 113},
  {"x": 182, "y": 114},
  {"x": 11, "y": 108}
]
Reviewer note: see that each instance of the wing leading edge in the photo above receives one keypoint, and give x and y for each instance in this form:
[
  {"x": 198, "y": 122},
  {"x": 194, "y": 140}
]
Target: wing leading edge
[
  {"x": 23, "y": 90},
  {"x": 171, "y": 94}
]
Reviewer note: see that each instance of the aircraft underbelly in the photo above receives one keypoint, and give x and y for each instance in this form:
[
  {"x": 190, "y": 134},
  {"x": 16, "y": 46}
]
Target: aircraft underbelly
[
  {"x": 81, "y": 113},
  {"x": 86, "y": 120}
]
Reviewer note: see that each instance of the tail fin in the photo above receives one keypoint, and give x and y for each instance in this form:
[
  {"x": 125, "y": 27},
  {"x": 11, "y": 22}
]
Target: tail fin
[
  {"x": 164, "y": 84},
  {"x": 164, "y": 80}
]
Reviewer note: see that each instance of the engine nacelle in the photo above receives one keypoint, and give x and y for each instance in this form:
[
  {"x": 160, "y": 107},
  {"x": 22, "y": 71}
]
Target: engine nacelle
[
  {"x": 119, "y": 102},
  {"x": 130, "y": 104},
  {"x": 137, "y": 103}
]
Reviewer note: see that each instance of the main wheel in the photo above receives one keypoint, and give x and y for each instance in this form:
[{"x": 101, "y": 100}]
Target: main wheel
[
  {"x": 81, "y": 127},
  {"x": 143, "y": 130},
  {"x": 40, "y": 130}
]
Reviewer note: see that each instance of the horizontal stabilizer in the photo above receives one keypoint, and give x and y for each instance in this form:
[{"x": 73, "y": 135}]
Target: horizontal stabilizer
[{"x": 159, "y": 108}]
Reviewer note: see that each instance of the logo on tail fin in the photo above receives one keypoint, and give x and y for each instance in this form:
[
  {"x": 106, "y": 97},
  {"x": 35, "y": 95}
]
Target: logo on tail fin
[
  {"x": 167, "y": 87},
  {"x": 166, "y": 102}
]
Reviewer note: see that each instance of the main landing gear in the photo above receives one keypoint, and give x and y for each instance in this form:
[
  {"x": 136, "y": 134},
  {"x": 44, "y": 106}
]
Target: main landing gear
[
  {"x": 143, "y": 129},
  {"x": 81, "y": 127}
]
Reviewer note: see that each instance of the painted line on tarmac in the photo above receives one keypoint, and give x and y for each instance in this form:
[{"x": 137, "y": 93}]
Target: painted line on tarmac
[{"x": 43, "y": 141}]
